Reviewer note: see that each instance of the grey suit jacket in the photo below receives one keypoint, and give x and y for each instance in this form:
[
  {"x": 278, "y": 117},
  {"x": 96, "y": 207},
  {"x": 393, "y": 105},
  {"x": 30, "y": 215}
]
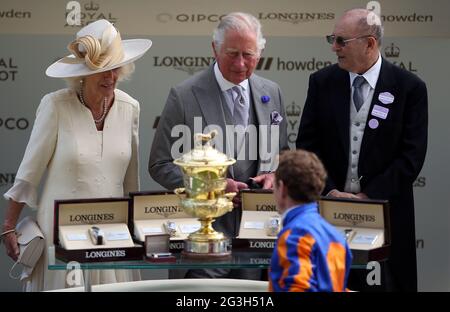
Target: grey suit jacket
[{"x": 200, "y": 96}]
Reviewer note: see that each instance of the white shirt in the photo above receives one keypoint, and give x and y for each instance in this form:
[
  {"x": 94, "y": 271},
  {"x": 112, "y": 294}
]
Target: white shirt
[
  {"x": 371, "y": 77},
  {"x": 226, "y": 85}
]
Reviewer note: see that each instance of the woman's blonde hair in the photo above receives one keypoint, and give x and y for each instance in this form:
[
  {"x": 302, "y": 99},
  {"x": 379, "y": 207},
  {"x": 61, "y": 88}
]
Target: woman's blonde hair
[{"x": 124, "y": 74}]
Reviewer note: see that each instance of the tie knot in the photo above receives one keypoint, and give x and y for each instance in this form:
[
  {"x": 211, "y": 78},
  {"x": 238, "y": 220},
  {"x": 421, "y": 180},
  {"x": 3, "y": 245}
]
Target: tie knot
[
  {"x": 237, "y": 89},
  {"x": 239, "y": 96},
  {"x": 359, "y": 81}
]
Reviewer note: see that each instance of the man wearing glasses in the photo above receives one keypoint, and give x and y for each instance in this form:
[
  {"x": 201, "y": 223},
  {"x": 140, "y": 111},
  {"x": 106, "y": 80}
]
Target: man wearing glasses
[{"x": 367, "y": 120}]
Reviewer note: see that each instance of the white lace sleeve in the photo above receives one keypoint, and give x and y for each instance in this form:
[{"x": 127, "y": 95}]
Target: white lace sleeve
[{"x": 22, "y": 192}]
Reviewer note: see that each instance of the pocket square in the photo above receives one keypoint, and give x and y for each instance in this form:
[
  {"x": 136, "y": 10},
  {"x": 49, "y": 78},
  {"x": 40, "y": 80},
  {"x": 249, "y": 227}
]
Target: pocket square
[{"x": 275, "y": 118}]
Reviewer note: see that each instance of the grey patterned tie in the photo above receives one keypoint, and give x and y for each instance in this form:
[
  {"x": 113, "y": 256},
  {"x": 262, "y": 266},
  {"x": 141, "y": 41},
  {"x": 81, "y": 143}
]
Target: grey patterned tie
[
  {"x": 240, "y": 111},
  {"x": 358, "y": 97}
]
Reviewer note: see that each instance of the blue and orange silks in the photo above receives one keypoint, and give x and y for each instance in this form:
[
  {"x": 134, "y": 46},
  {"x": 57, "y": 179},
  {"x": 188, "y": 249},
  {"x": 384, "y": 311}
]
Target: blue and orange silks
[{"x": 310, "y": 254}]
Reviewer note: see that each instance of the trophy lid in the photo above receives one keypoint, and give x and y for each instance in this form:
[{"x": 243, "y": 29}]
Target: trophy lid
[{"x": 204, "y": 154}]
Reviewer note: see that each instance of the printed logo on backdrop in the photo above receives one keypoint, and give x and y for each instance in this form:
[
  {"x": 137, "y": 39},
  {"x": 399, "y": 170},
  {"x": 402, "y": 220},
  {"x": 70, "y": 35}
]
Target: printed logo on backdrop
[
  {"x": 420, "y": 243},
  {"x": 293, "y": 112},
  {"x": 375, "y": 7},
  {"x": 8, "y": 69},
  {"x": 156, "y": 122},
  {"x": 392, "y": 52},
  {"x": 7, "y": 179},
  {"x": 12, "y": 123},
  {"x": 189, "y": 18},
  {"x": 296, "y": 17},
  {"x": 193, "y": 64},
  {"x": 188, "y": 64},
  {"x": 14, "y": 14},
  {"x": 310, "y": 65},
  {"x": 407, "y": 18},
  {"x": 81, "y": 13},
  {"x": 420, "y": 182}
]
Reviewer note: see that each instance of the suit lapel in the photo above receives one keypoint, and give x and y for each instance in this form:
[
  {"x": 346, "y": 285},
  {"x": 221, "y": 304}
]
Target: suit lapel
[
  {"x": 209, "y": 98},
  {"x": 385, "y": 83},
  {"x": 340, "y": 100},
  {"x": 262, "y": 111}
]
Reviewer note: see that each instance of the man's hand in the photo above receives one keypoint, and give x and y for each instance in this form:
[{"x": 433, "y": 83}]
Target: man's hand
[
  {"x": 362, "y": 196},
  {"x": 337, "y": 194},
  {"x": 266, "y": 180},
  {"x": 235, "y": 186}
]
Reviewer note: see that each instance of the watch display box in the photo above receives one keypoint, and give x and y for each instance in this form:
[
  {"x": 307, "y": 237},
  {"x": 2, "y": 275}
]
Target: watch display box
[
  {"x": 364, "y": 224},
  {"x": 156, "y": 213},
  {"x": 260, "y": 222},
  {"x": 157, "y": 248},
  {"x": 94, "y": 230}
]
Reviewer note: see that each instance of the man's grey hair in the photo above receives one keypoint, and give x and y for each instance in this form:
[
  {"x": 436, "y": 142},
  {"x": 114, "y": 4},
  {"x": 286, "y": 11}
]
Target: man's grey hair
[
  {"x": 239, "y": 21},
  {"x": 375, "y": 29},
  {"x": 124, "y": 74},
  {"x": 368, "y": 22}
]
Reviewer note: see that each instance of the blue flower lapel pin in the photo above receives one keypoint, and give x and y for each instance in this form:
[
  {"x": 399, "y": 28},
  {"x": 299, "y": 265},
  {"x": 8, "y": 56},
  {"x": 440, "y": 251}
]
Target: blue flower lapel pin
[
  {"x": 275, "y": 118},
  {"x": 265, "y": 99}
]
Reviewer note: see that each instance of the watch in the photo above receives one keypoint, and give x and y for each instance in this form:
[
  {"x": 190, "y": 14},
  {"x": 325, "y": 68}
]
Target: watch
[
  {"x": 97, "y": 235},
  {"x": 171, "y": 228}
]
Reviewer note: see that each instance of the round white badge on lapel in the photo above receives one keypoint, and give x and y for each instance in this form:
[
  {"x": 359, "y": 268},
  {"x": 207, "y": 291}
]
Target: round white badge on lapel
[
  {"x": 373, "y": 123},
  {"x": 386, "y": 97}
]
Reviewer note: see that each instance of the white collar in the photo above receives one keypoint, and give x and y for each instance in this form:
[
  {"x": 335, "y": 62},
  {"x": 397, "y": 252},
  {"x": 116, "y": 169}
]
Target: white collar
[
  {"x": 225, "y": 84},
  {"x": 371, "y": 75}
]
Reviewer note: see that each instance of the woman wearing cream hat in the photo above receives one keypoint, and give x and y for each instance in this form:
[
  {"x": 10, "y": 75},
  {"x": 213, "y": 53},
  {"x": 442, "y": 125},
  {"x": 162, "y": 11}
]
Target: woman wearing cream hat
[{"x": 85, "y": 137}]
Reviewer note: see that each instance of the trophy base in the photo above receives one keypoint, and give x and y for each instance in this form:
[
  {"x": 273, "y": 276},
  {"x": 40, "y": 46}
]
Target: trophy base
[{"x": 210, "y": 249}]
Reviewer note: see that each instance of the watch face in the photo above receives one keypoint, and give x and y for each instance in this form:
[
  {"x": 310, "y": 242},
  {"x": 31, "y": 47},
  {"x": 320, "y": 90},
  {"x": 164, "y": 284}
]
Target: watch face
[
  {"x": 274, "y": 222},
  {"x": 171, "y": 228},
  {"x": 273, "y": 226},
  {"x": 348, "y": 233},
  {"x": 171, "y": 225},
  {"x": 97, "y": 235}
]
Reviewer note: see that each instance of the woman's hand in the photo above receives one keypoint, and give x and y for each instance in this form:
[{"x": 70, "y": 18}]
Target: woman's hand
[{"x": 10, "y": 241}]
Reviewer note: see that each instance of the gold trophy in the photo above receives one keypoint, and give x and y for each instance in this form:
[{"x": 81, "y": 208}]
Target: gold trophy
[{"x": 204, "y": 170}]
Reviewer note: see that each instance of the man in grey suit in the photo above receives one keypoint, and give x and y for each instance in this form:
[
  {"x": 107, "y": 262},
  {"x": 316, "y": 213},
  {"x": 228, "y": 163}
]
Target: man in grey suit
[{"x": 226, "y": 94}]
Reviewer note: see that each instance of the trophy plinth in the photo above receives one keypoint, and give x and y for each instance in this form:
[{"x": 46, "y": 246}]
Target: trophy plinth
[{"x": 204, "y": 170}]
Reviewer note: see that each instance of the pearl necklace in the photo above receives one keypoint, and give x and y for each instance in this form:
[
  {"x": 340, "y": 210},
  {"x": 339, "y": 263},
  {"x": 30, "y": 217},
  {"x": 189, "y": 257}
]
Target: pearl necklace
[{"x": 102, "y": 117}]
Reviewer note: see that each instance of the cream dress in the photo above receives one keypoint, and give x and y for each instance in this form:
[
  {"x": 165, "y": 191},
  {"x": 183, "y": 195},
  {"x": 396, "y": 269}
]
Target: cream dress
[{"x": 81, "y": 162}]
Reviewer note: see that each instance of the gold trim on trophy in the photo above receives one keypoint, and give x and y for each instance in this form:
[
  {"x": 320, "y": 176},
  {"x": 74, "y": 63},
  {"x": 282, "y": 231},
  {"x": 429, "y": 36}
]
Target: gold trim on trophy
[{"x": 204, "y": 171}]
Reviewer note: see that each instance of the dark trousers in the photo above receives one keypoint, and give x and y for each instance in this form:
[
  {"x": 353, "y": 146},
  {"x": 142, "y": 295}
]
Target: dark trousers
[
  {"x": 363, "y": 280},
  {"x": 250, "y": 274}
]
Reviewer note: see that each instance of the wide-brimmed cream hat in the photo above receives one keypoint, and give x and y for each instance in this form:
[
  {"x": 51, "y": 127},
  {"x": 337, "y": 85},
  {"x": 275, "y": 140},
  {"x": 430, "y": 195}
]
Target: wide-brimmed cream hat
[{"x": 98, "y": 48}]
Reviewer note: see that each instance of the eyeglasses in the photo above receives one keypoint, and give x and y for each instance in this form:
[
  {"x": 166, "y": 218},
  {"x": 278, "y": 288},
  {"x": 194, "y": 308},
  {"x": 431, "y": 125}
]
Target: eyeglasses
[{"x": 340, "y": 41}]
